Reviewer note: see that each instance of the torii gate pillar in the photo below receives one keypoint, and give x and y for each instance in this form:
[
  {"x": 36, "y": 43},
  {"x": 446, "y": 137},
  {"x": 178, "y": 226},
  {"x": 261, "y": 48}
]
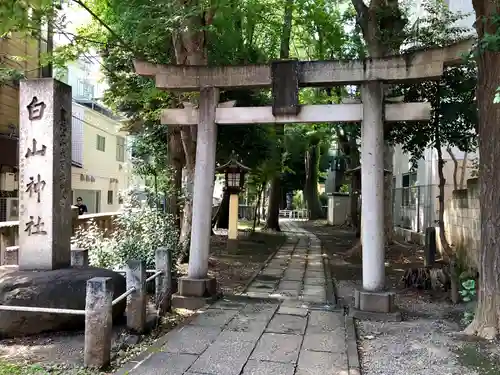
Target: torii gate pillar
[
  {"x": 197, "y": 288},
  {"x": 373, "y": 301}
]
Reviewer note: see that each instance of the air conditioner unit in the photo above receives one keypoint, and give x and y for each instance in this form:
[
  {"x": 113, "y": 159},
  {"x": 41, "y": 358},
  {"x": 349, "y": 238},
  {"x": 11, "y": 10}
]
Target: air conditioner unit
[
  {"x": 9, "y": 209},
  {"x": 8, "y": 181}
]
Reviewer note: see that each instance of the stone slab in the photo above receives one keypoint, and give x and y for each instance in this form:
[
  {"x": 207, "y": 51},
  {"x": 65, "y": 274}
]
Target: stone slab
[
  {"x": 293, "y": 276},
  {"x": 321, "y": 363},
  {"x": 311, "y": 274},
  {"x": 191, "y": 339},
  {"x": 226, "y": 356},
  {"x": 249, "y": 322},
  {"x": 228, "y": 304},
  {"x": 314, "y": 290},
  {"x": 277, "y": 348},
  {"x": 324, "y": 321},
  {"x": 290, "y": 324},
  {"x": 162, "y": 363},
  {"x": 266, "y": 310},
  {"x": 290, "y": 285},
  {"x": 333, "y": 342},
  {"x": 285, "y": 293},
  {"x": 314, "y": 281},
  {"x": 254, "y": 367},
  {"x": 298, "y": 311},
  {"x": 214, "y": 317}
]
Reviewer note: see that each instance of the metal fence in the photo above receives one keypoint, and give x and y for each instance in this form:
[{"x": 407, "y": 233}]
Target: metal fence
[{"x": 415, "y": 207}]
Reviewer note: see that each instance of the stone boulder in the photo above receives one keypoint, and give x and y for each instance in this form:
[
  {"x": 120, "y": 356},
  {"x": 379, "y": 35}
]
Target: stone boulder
[{"x": 63, "y": 288}]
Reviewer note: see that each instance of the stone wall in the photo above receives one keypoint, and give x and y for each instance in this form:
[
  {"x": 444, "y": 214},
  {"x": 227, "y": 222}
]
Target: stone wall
[{"x": 462, "y": 221}]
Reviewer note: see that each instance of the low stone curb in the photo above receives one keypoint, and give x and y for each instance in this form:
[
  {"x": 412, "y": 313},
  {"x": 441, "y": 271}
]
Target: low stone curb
[
  {"x": 331, "y": 297},
  {"x": 354, "y": 367}
]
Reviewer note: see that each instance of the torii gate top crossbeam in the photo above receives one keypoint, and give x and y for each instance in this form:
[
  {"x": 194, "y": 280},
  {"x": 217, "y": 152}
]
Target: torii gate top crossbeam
[{"x": 420, "y": 65}]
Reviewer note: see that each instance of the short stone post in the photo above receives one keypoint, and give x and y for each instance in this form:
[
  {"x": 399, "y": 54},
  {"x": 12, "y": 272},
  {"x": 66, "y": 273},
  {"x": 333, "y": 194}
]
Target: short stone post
[
  {"x": 98, "y": 322},
  {"x": 136, "y": 302},
  {"x": 79, "y": 257},
  {"x": 163, "y": 282}
]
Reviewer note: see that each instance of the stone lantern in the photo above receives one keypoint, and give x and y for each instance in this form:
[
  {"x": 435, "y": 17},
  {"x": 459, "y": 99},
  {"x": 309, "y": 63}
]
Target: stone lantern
[{"x": 234, "y": 173}]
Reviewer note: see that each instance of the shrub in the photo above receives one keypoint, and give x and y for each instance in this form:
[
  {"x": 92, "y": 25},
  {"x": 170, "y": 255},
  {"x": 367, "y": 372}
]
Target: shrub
[{"x": 138, "y": 231}]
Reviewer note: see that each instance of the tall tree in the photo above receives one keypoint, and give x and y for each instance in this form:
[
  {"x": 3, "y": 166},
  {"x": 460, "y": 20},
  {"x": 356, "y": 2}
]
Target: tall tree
[
  {"x": 275, "y": 194},
  {"x": 486, "y": 322}
]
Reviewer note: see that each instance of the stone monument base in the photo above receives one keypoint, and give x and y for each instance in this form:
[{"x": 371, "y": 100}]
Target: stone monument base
[
  {"x": 375, "y": 306},
  {"x": 63, "y": 288},
  {"x": 194, "y": 293}
]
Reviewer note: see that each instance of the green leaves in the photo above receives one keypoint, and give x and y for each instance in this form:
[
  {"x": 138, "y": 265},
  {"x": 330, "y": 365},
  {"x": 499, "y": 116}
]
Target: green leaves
[{"x": 138, "y": 231}]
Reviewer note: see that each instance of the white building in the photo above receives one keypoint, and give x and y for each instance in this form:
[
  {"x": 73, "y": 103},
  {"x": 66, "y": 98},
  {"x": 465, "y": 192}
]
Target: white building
[{"x": 416, "y": 191}]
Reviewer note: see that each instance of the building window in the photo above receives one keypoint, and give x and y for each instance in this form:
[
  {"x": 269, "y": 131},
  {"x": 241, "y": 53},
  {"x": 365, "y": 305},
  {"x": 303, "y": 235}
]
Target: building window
[
  {"x": 410, "y": 191},
  {"x": 110, "y": 196},
  {"x": 120, "y": 149},
  {"x": 101, "y": 143}
]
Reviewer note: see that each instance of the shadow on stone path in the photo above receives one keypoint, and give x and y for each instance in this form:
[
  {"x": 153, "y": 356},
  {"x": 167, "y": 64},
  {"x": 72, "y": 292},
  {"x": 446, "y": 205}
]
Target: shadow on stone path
[{"x": 285, "y": 323}]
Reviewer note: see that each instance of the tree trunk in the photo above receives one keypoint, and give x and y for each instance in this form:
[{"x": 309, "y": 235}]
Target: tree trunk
[
  {"x": 486, "y": 322},
  {"x": 188, "y": 137},
  {"x": 455, "y": 168},
  {"x": 273, "y": 210},
  {"x": 176, "y": 161},
  {"x": 463, "y": 171},
  {"x": 223, "y": 214},
  {"x": 448, "y": 252},
  {"x": 311, "y": 185},
  {"x": 189, "y": 42},
  {"x": 256, "y": 213},
  {"x": 272, "y": 221},
  {"x": 355, "y": 191}
]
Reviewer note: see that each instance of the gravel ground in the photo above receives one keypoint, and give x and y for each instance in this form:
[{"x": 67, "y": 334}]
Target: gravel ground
[{"x": 428, "y": 340}]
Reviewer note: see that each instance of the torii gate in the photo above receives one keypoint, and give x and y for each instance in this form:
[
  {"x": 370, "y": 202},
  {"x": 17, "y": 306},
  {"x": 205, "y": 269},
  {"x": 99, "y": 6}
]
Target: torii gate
[{"x": 285, "y": 78}]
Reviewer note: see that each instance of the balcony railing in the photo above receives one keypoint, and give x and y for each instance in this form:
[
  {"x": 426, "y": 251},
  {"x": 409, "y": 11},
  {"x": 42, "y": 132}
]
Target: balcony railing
[{"x": 9, "y": 233}]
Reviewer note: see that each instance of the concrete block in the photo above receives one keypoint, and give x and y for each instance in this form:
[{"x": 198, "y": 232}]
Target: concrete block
[
  {"x": 382, "y": 302},
  {"x": 197, "y": 287}
]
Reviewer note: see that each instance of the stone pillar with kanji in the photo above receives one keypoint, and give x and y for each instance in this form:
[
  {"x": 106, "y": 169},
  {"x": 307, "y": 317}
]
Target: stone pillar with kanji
[{"x": 45, "y": 221}]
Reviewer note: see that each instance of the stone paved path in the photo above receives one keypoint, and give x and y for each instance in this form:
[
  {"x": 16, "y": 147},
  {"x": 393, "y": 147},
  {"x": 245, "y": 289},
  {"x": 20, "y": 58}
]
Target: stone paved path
[{"x": 293, "y": 331}]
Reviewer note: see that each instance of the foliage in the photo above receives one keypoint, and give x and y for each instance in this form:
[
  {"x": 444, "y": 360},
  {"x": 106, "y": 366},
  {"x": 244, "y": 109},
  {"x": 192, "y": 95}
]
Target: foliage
[
  {"x": 150, "y": 159},
  {"x": 298, "y": 200},
  {"x": 453, "y": 100},
  {"x": 8, "y": 75},
  {"x": 468, "y": 294},
  {"x": 138, "y": 231}
]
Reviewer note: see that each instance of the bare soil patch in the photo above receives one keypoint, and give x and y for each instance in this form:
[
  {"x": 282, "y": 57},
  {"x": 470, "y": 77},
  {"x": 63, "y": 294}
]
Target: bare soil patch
[{"x": 428, "y": 341}]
